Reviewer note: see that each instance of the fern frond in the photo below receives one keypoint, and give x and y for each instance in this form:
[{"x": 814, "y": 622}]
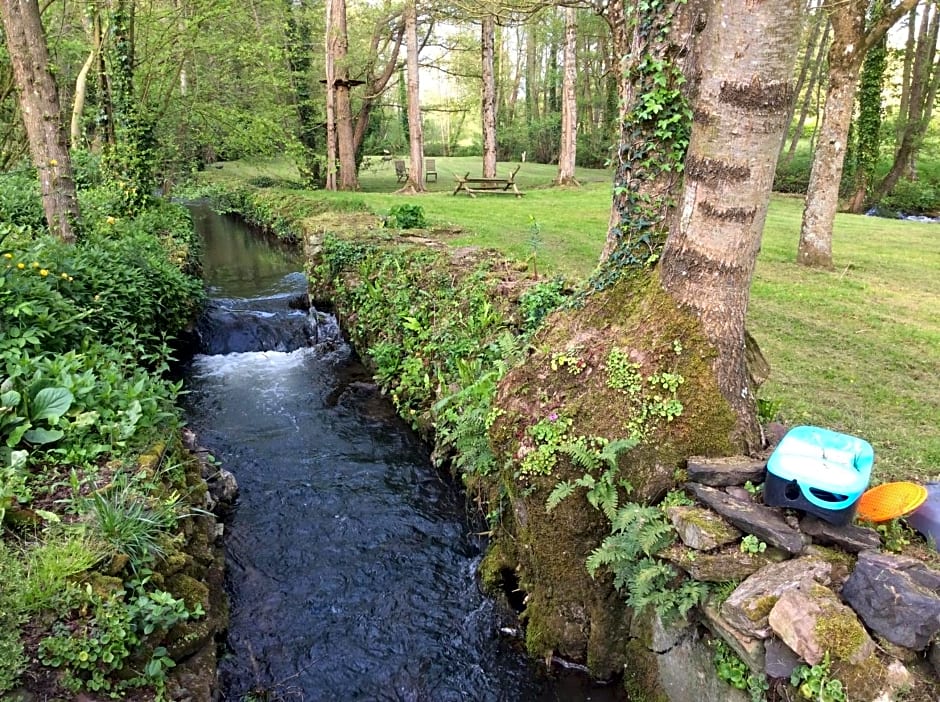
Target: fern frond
[
  {"x": 612, "y": 450},
  {"x": 581, "y": 455},
  {"x": 561, "y": 491}
]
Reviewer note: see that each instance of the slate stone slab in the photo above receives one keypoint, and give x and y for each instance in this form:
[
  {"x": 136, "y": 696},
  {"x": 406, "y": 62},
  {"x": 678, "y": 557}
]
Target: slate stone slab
[
  {"x": 727, "y": 563},
  {"x": 850, "y": 537},
  {"x": 748, "y": 606},
  {"x": 780, "y": 660},
  {"x": 764, "y": 522},
  {"x": 719, "y": 472},
  {"x": 701, "y": 528},
  {"x": 804, "y": 619},
  {"x": 897, "y": 597},
  {"x": 749, "y": 649}
]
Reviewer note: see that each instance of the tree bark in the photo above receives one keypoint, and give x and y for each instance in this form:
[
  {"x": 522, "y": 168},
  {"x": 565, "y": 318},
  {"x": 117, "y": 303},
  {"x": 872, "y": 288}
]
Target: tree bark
[
  {"x": 488, "y": 50},
  {"x": 42, "y": 117},
  {"x": 850, "y": 43},
  {"x": 415, "y": 182},
  {"x": 806, "y": 65},
  {"x": 567, "y": 155},
  {"x": 741, "y": 109},
  {"x": 919, "y": 103},
  {"x": 811, "y": 88},
  {"x": 330, "y": 182}
]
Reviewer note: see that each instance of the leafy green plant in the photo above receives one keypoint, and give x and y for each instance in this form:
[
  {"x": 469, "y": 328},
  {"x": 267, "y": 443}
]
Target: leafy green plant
[
  {"x": 750, "y": 544},
  {"x": 535, "y": 244},
  {"x": 539, "y": 300},
  {"x": 732, "y": 670},
  {"x": 12, "y": 576},
  {"x": 90, "y": 649},
  {"x": 406, "y": 217},
  {"x": 676, "y": 498},
  {"x": 816, "y": 683},
  {"x": 895, "y": 535},
  {"x": 768, "y": 410}
]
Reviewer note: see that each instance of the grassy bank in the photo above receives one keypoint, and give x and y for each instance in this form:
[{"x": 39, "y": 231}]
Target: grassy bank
[{"x": 856, "y": 349}]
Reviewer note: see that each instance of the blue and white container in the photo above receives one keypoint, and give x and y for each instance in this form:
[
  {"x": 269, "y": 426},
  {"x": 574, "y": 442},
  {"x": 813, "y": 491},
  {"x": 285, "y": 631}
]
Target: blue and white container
[{"x": 819, "y": 471}]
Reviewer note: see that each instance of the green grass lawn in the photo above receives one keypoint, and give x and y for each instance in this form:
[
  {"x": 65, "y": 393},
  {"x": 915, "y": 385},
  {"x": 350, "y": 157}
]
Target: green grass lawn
[{"x": 856, "y": 349}]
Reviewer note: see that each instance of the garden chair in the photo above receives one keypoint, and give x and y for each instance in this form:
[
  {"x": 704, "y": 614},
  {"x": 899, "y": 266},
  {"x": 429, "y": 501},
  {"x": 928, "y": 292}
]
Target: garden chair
[
  {"x": 430, "y": 169},
  {"x": 400, "y": 171}
]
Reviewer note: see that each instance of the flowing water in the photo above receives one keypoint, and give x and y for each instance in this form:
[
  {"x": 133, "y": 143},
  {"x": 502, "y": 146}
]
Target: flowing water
[{"x": 351, "y": 560}]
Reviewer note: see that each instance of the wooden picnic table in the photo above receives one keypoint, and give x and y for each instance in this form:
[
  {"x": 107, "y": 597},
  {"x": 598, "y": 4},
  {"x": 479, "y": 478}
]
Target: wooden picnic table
[{"x": 497, "y": 186}]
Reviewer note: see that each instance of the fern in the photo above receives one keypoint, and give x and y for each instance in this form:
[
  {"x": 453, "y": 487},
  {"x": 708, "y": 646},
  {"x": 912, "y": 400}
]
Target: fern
[{"x": 564, "y": 489}]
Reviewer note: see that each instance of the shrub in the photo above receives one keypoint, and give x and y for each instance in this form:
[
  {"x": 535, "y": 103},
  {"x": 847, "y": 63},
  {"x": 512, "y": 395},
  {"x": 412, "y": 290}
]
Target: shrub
[
  {"x": 913, "y": 197},
  {"x": 19, "y": 199},
  {"x": 406, "y": 217}
]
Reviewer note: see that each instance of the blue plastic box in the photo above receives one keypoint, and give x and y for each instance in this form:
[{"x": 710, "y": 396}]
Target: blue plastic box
[{"x": 819, "y": 471}]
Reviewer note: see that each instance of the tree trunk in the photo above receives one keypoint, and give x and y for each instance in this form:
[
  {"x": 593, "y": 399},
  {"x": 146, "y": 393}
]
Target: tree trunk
[
  {"x": 42, "y": 117},
  {"x": 348, "y": 178},
  {"x": 651, "y": 143},
  {"x": 868, "y": 123},
  {"x": 569, "y": 108},
  {"x": 377, "y": 85},
  {"x": 921, "y": 94},
  {"x": 330, "y": 183},
  {"x": 487, "y": 37},
  {"x": 415, "y": 182},
  {"x": 811, "y": 88},
  {"x": 299, "y": 39},
  {"x": 740, "y": 115},
  {"x": 531, "y": 76},
  {"x": 909, "y": 49},
  {"x": 850, "y": 44},
  {"x": 806, "y": 65}
]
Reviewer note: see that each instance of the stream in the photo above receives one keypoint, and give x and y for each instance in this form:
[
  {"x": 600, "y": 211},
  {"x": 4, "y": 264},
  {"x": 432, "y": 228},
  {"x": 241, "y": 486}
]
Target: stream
[{"x": 351, "y": 561}]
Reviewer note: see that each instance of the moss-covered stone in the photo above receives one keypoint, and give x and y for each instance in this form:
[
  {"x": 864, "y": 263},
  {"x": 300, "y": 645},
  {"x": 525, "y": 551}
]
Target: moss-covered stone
[{"x": 641, "y": 674}]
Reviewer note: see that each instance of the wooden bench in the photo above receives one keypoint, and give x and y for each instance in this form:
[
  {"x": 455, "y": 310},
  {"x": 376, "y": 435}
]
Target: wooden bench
[{"x": 496, "y": 186}]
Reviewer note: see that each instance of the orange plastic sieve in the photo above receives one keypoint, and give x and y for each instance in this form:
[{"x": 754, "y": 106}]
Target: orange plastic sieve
[{"x": 890, "y": 501}]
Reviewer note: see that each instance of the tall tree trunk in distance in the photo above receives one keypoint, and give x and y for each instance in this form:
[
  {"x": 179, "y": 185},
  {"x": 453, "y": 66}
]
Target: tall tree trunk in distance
[
  {"x": 78, "y": 103},
  {"x": 567, "y": 155},
  {"x": 298, "y": 53},
  {"x": 741, "y": 109},
  {"x": 909, "y": 48},
  {"x": 415, "y": 182},
  {"x": 811, "y": 88},
  {"x": 531, "y": 75},
  {"x": 850, "y": 43},
  {"x": 817, "y": 20},
  {"x": 42, "y": 117},
  {"x": 868, "y": 123},
  {"x": 348, "y": 178},
  {"x": 487, "y": 41},
  {"x": 330, "y": 99},
  {"x": 377, "y": 84},
  {"x": 925, "y": 73}
]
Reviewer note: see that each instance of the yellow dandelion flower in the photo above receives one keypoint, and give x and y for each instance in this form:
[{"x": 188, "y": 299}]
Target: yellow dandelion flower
[
  {"x": 21, "y": 266},
  {"x": 65, "y": 276},
  {"x": 8, "y": 255},
  {"x": 53, "y": 162},
  {"x": 71, "y": 279},
  {"x": 44, "y": 272},
  {"x": 35, "y": 264},
  {"x": 110, "y": 220}
]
